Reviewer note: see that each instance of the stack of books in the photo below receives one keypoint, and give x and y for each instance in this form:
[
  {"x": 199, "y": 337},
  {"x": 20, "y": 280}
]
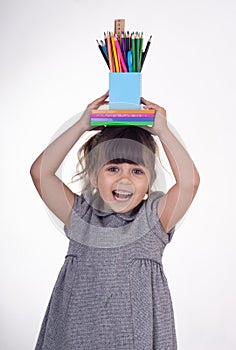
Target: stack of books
[{"x": 122, "y": 117}]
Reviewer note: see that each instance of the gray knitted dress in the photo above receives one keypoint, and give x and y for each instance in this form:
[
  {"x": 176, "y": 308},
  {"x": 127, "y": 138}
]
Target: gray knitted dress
[{"x": 111, "y": 292}]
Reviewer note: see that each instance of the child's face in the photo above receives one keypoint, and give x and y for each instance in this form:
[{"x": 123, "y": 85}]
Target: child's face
[{"x": 122, "y": 186}]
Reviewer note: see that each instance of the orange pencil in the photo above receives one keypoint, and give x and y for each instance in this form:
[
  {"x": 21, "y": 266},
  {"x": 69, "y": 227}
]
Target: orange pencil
[{"x": 110, "y": 57}]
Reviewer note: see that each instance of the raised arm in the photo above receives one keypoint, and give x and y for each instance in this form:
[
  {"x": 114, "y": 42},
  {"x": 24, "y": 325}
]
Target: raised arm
[
  {"x": 176, "y": 201},
  {"x": 55, "y": 194}
]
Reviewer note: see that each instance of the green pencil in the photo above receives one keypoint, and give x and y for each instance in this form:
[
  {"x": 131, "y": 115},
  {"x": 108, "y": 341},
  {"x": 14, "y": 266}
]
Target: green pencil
[
  {"x": 133, "y": 53},
  {"x": 141, "y": 50},
  {"x": 137, "y": 52}
]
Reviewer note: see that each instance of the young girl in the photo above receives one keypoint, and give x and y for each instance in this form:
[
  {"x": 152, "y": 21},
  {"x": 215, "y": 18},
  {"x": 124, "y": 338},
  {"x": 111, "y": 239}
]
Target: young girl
[{"x": 111, "y": 292}]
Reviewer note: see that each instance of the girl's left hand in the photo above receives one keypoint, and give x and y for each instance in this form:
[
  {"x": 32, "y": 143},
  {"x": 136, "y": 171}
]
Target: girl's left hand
[{"x": 160, "y": 121}]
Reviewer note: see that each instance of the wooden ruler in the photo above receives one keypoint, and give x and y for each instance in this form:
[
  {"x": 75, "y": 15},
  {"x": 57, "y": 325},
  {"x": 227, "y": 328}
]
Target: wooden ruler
[{"x": 119, "y": 27}]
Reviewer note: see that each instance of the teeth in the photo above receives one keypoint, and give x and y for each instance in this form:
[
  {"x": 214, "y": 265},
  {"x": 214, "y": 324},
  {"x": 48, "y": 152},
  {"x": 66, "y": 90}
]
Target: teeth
[{"x": 122, "y": 195}]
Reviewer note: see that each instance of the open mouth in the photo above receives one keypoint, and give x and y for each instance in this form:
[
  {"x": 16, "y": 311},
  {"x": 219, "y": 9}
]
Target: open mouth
[{"x": 122, "y": 195}]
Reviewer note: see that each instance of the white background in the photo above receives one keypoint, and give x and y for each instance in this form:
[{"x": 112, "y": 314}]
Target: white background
[{"x": 50, "y": 69}]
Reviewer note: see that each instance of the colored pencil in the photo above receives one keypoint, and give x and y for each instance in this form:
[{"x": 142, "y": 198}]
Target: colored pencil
[
  {"x": 103, "y": 53},
  {"x": 110, "y": 56},
  {"x": 115, "y": 53},
  {"x": 129, "y": 61},
  {"x": 133, "y": 53},
  {"x": 141, "y": 49},
  {"x": 103, "y": 45},
  {"x": 120, "y": 56},
  {"x": 146, "y": 51},
  {"x": 128, "y": 41},
  {"x": 126, "y": 54},
  {"x": 137, "y": 53},
  {"x": 123, "y": 47}
]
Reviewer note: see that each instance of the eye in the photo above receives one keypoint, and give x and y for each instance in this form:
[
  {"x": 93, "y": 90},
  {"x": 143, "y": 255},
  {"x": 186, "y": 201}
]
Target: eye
[
  {"x": 113, "y": 169},
  {"x": 138, "y": 171}
]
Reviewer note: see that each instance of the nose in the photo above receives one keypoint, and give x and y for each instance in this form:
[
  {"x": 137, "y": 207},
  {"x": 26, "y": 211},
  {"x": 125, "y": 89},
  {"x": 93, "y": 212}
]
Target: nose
[
  {"x": 125, "y": 177},
  {"x": 124, "y": 180}
]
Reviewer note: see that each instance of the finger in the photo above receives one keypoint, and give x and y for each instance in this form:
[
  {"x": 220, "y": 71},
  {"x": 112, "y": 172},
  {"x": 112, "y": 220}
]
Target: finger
[
  {"x": 103, "y": 97},
  {"x": 149, "y": 104},
  {"x": 150, "y": 107},
  {"x": 98, "y": 104},
  {"x": 144, "y": 101}
]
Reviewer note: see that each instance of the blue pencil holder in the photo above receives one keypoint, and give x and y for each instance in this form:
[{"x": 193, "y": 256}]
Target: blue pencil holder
[{"x": 124, "y": 91}]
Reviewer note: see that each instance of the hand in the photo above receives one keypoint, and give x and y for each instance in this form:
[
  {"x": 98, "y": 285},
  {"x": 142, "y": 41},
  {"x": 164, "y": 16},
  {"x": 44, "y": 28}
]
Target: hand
[
  {"x": 160, "y": 121},
  {"x": 85, "y": 118}
]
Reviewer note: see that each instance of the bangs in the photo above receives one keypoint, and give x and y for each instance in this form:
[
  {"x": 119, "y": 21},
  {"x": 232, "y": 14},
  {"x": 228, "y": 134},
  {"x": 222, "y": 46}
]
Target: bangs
[{"x": 123, "y": 151}]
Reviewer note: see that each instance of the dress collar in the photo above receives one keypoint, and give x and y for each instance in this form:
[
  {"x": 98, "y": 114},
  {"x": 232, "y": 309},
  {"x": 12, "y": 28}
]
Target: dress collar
[{"x": 96, "y": 202}]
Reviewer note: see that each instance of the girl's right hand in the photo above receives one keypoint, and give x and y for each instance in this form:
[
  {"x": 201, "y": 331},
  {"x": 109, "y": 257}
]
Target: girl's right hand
[{"x": 85, "y": 118}]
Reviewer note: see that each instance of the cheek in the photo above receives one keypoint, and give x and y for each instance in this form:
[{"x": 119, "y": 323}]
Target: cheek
[
  {"x": 99, "y": 182},
  {"x": 146, "y": 186},
  {"x": 149, "y": 180},
  {"x": 103, "y": 182},
  {"x": 142, "y": 187}
]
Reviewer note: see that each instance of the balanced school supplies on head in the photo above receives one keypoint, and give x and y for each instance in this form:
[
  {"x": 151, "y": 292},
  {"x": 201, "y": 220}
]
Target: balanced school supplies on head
[{"x": 123, "y": 52}]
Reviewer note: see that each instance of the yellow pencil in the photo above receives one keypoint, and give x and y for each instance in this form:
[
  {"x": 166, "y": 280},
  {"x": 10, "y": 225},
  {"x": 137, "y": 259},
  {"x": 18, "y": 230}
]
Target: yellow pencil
[{"x": 115, "y": 53}]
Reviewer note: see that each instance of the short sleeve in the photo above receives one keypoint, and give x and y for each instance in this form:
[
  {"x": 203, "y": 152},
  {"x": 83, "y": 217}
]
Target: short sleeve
[
  {"x": 153, "y": 219},
  {"x": 75, "y": 211}
]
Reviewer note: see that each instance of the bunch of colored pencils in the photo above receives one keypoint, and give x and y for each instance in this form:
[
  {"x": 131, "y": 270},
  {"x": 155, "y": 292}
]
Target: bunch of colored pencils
[{"x": 124, "y": 53}]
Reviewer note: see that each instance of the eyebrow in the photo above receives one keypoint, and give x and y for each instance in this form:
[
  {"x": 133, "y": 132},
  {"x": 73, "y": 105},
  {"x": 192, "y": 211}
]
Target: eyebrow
[{"x": 121, "y": 161}]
